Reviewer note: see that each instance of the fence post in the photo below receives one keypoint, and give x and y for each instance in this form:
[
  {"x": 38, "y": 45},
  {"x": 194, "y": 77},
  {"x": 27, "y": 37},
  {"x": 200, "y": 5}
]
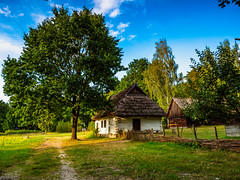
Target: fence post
[
  {"x": 216, "y": 135},
  {"x": 151, "y": 134},
  {"x": 123, "y": 133},
  {"x": 163, "y": 131},
  {"x": 194, "y": 132},
  {"x": 177, "y": 131},
  {"x": 181, "y": 131}
]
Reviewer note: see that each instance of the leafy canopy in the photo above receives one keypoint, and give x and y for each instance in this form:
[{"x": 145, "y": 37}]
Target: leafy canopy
[
  {"x": 161, "y": 75},
  {"x": 134, "y": 75},
  {"x": 67, "y": 61},
  {"x": 215, "y": 84},
  {"x": 223, "y": 3}
]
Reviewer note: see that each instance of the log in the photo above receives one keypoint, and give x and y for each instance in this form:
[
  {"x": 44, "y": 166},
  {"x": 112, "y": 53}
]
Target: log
[
  {"x": 216, "y": 135},
  {"x": 177, "y": 131}
]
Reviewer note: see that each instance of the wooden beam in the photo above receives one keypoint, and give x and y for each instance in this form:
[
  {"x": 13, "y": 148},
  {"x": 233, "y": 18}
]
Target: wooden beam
[{"x": 237, "y": 39}]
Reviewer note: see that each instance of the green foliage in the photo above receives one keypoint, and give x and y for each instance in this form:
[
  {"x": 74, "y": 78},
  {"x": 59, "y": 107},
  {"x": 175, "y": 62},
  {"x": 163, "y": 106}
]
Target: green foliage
[
  {"x": 134, "y": 75},
  {"x": 23, "y": 131},
  {"x": 91, "y": 126},
  {"x": 215, "y": 84},
  {"x": 223, "y": 3},
  {"x": 181, "y": 90},
  {"x": 63, "y": 127},
  {"x": 69, "y": 61},
  {"x": 4, "y": 107},
  {"x": 161, "y": 75}
]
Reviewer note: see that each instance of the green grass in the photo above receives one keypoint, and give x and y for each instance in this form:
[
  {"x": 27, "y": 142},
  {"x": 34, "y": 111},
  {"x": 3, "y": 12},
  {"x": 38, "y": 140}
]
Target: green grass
[
  {"x": 15, "y": 150},
  {"x": 42, "y": 164},
  {"x": 104, "y": 158},
  {"x": 21, "y": 153},
  {"x": 203, "y": 132},
  {"x": 152, "y": 160}
]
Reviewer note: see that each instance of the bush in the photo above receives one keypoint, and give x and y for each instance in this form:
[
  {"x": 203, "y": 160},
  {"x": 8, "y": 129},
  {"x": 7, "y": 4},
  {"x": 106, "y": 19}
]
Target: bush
[
  {"x": 91, "y": 126},
  {"x": 23, "y": 131},
  {"x": 63, "y": 127}
]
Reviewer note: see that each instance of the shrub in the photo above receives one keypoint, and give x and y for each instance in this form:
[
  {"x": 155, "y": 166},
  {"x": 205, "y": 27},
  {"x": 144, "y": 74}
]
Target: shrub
[
  {"x": 91, "y": 126},
  {"x": 23, "y": 131},
  {"x": 63, "y": 127}
]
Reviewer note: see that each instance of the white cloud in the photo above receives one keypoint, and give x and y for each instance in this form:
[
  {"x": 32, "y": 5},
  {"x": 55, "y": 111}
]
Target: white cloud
[
  {"x": 5, "y": 11},
  {"x": 74, "y": 8},
  {"x": 114, "y": 13},
  {"x": 122, "y": 39},
  {"x": 108, "y": 6},
  {"x": 109, "y": 25},
  {"x": 130, "y": 37},
  {"x": 122, "y": 25},
  {"x": 11, "y": 47},
  {"x": 121, "y": 28},
  {"x": 38, "y": 18},
  {"x": 54, "y": 5},
  {"x": 66, "y": 5},
  {"x": 21, "y": 14},
  {"x": 114, "y": 33},
  {"x": 5, "y": 26}
]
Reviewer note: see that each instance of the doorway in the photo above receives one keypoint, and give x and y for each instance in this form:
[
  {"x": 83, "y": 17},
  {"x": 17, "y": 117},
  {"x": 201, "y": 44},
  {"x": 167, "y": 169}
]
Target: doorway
[{"x": 136, "y": 125}]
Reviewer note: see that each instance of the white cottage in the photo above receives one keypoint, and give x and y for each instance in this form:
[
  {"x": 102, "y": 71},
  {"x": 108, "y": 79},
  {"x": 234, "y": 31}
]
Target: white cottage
[{"x": 133, "y": 110}]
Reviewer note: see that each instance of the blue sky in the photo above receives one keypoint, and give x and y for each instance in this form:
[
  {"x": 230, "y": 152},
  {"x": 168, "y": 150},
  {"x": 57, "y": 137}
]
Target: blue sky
[{"x": 186, "y": 24}]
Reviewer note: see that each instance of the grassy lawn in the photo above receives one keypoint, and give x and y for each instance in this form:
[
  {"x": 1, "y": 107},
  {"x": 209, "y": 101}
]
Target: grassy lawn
[
  {"x": 152, "y": 160},
  {"x": 19, "y": 153},
  {"x": 104, "y": 158},
  {"x": 203, "y": 132}
]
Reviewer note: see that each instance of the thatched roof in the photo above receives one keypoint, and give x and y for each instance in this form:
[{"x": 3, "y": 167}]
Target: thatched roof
[
  {"x": 132, "y": 102},
  {"x": 182, "y": 103}
]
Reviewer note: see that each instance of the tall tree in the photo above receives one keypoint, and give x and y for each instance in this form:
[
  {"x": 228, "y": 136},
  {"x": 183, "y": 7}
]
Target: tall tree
[
  {"x": 69, "y": 60},
  {"x": 161, "y": 75},
  {"x": 223, "y": 3},
  {"x": 215, "y": 84},
  {"x": 134, "y": 75},
  {"x": 3, "y": 114}
]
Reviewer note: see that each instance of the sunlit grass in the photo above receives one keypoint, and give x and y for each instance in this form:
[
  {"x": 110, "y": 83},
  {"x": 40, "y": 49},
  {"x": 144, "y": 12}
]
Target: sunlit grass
[
  {"x": 152, "y": 160},
  {"x": 105, "y": 158},
  {"x": 203, "y": 132}
]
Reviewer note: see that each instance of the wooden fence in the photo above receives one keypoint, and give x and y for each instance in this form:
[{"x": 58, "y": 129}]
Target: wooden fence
[{"x": 146, "y": 135}]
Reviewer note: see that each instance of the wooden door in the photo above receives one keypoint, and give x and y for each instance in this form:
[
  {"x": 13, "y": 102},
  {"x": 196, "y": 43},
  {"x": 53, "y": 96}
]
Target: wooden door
[{"x": 136, "y": 125}]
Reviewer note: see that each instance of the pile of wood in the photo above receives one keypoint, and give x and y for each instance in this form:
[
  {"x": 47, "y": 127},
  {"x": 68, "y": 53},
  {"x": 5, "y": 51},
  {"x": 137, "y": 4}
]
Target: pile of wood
[
  {"x": 146, "y": 135},
  {"x": 227, "y": 144}
]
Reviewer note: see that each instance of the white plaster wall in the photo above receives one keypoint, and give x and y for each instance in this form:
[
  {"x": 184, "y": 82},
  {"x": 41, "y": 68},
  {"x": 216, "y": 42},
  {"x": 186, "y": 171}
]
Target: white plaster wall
[
  {"x": 112, "y": 127},
  {"x": 147, "y": 123},
  {"x": 125, "y": 123},
  {"x": 102, "y": 130},
  {"x": 151, "y": 123}
]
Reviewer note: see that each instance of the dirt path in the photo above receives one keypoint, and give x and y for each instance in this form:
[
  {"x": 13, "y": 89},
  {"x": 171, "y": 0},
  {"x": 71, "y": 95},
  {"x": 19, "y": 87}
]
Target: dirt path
[{"x": 67, "y": 172}]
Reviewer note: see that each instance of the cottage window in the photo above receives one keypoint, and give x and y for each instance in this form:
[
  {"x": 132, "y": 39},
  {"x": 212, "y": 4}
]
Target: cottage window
[
  {"x": 101, "y": 124},
  {"x": 105, "y": 123}
]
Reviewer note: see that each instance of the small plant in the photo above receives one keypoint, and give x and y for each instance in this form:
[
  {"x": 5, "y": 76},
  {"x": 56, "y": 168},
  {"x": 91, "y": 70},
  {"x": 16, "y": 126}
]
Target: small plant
[
  {"x": 91, "y": 126},
  {"x": 23, "y": 131},
  {"x": 63, "y": 127}
]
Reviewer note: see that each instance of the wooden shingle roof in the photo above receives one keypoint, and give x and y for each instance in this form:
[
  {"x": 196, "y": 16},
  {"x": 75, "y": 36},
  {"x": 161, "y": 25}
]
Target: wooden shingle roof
[
  {"x": 182, "y": 103},
  {"x": 133, "y": 102}
]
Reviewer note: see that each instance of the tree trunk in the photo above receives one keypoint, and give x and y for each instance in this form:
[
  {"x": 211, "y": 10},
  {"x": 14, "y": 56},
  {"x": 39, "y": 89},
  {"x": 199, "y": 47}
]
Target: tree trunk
[{"x": 75, "y": 119}]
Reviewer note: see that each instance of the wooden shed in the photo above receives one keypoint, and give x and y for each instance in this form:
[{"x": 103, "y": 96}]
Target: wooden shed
[
  {"x": 175, "y": 113},
  {"x": 133, "y": 110}
]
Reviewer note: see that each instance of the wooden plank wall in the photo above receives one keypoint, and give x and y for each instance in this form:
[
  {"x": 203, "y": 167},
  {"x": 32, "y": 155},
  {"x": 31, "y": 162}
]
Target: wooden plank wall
[{"x": 232, "y": 130}]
